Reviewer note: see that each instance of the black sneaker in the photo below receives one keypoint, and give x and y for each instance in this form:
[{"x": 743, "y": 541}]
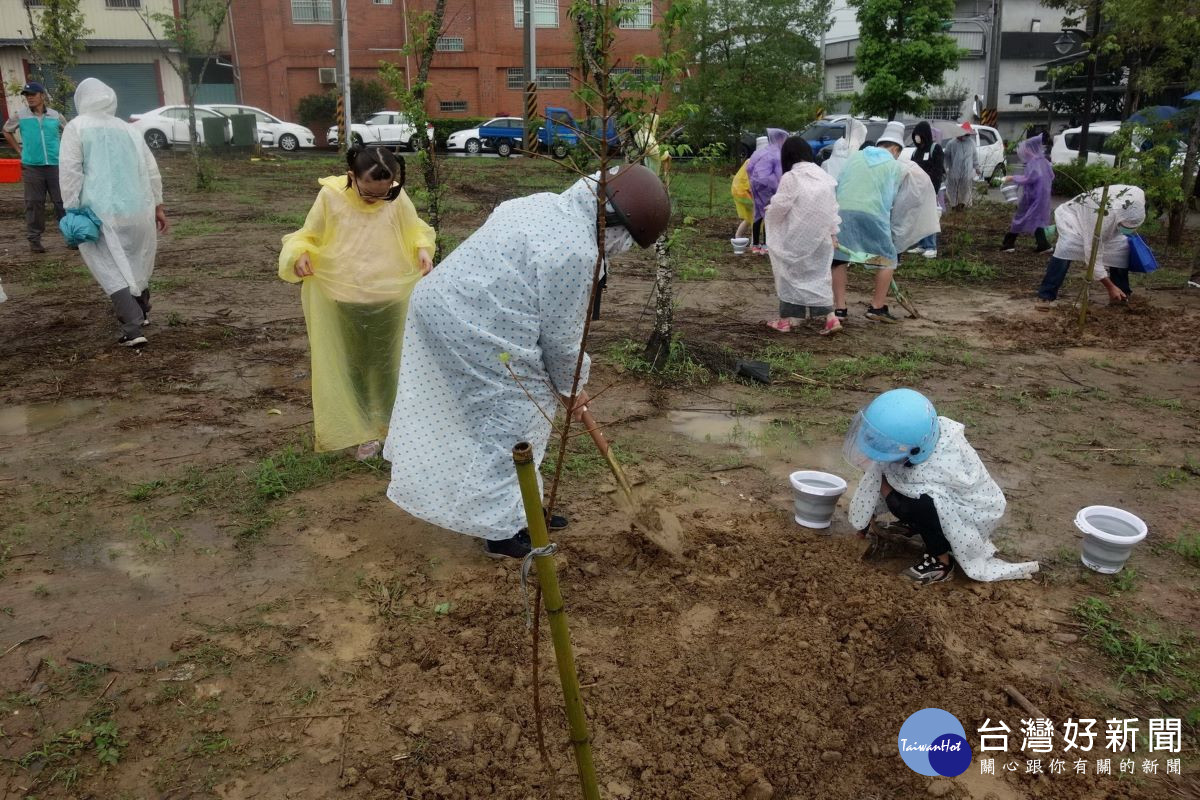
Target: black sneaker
[
  {"x": 557, "y": 523},
  {"x": 37, "y": 247},
  {"x": 930, "y": 570},
  {"x": 516, "y": 547},
  {"x": 842, "y": 313},
  {"x": 132, "y": 341},
  {"x": 881, "y": 314}
]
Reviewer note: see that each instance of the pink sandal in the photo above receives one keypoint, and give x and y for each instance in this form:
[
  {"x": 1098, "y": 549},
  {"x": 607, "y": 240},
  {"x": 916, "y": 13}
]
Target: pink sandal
[{"x": 779, "y": 326}]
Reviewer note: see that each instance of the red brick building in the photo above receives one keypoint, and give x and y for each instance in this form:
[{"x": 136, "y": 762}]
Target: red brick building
[{"x": 281, "y": 51}]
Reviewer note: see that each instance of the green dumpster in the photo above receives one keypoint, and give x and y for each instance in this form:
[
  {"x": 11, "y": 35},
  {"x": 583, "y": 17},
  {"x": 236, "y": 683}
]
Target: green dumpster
[
  {"x": 215, "y": 132},
  {"x": 245, "y": 130}
]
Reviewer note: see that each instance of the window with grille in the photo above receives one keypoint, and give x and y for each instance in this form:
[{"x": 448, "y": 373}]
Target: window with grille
[
  {"x": 547, "y": 78},
  {"x": 111, "y": 3},
  {"x": 545, "y": 13},
  {"x": 450, "y": 44},
  {"x": 308, "y": 10},
  {"x": 843, "y": 83},
  {"x": 449, "y": 106},
  {"x": 945, "y": 109},
  {"x": 382, "y": 2},
  {"x": 641, "y": 19},
  {"x": 34, "y": 3}
]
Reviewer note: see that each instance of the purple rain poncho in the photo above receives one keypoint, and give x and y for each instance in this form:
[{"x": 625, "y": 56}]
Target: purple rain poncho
[
  {"x": 1033, "y": 208},
  {"x": 765, "y": 170}
]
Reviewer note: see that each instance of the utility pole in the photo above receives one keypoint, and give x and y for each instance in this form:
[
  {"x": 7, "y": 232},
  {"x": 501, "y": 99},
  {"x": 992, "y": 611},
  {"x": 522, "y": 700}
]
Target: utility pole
[
  {"x": 993, "y": 72},
  {"x": 1089, "y": 92},
  {"x": 530, "y": 115},
  {"x": 341, "y": 32}
]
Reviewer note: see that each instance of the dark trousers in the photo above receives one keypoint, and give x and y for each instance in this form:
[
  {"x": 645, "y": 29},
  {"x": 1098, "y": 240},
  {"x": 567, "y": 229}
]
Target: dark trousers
[
  {"x": 758, "y": 237},
  {"x": 369, "y": 334},
  {"x": 921, "y": 516},
  {"x": 132, "y": 310},
  {"x": 1056, "y": 273},
  {"x": 1039, "y": 237},
  {"x": 40, "y": 182}
]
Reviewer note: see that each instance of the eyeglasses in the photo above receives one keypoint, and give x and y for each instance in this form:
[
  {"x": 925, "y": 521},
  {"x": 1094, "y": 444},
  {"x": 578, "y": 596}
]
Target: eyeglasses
[{"x": 369, "y": 195}]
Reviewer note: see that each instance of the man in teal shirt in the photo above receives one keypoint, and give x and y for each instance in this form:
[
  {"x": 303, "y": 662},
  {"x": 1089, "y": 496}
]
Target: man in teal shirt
[{"x": 40, "y": 129}]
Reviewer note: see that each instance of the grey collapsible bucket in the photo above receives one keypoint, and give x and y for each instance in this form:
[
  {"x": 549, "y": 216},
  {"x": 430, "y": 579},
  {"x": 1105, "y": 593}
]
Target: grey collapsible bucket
[
  {"x": 1109, "y": 535},
  {"x": 816, "y": 496}
]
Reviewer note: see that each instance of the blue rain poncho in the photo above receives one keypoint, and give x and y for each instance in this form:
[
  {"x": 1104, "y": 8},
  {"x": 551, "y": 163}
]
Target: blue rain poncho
[
  {"x": 866, "y": 192},
  {"x": 518, "y": 286},
  {"x": 105, "y": 166}
]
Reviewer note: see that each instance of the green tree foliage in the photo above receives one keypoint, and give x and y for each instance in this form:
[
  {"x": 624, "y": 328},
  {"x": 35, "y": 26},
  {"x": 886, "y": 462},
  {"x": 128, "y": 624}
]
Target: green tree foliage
[
  {"x": 754, "y": 65},
  {"x": 56, "y": 32},
  {"x": 319, "y": 111},
  {"x": 902, "y": 51}
]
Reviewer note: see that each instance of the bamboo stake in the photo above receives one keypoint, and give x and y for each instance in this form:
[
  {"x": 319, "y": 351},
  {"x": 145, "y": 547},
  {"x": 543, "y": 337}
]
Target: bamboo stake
[
  {"x": 547, "y": 576},
  {"x": 1091, "y": 265}
]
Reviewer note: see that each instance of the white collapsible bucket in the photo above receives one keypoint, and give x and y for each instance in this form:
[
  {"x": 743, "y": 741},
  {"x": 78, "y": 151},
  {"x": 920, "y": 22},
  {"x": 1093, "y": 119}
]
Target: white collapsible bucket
[
  {"x": 1109, "y": 535},
  {"x": 739, "y": 245},
  {"x": 1011, "y": 192},
  {"x": 816, "y": 496}
]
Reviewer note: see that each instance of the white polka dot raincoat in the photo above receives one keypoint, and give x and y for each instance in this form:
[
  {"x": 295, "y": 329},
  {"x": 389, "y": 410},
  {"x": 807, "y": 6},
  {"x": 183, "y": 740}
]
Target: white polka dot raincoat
[
  {"x": 969, "y": 503},
  {"x": 518, "y": 286}
]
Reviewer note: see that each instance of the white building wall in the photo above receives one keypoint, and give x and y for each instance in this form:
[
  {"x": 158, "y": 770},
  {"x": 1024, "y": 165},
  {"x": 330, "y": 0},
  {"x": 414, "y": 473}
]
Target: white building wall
[{"x": 106, "y": 23}]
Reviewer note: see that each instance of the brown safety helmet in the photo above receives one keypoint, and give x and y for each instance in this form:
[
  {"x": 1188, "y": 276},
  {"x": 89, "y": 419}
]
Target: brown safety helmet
[{"x": 640, "y": 202}]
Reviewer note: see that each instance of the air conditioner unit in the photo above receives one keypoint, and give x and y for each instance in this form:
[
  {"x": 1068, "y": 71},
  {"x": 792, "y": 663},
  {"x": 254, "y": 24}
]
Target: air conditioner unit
[{"x": 326, "y": 75}]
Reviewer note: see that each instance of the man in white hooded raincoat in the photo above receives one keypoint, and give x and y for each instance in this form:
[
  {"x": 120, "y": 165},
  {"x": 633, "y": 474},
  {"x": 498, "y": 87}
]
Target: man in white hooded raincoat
[
  {"x": 105, "y": 166},
  {"x": 513, "y": 295}
]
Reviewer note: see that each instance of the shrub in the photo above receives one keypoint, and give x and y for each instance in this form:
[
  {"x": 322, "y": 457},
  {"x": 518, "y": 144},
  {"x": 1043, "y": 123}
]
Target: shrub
[
  {"x": 319, "y": 111},
  {"x": 1075, "y": 178}
]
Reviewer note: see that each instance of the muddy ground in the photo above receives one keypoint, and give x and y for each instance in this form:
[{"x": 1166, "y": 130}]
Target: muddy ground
[{"x": 193, "y": 605}]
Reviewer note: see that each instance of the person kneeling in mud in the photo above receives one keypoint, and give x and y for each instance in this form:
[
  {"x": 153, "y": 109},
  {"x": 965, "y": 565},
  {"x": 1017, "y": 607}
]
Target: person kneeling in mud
[{"x": 920, "y": 467}]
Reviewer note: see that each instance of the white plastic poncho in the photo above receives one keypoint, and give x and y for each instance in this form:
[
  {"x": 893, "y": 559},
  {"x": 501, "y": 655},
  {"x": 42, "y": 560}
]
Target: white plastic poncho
[
  {"x": 866, "y": 194},
  {"x": 801, "y": 221},
  {"x": 961, "y": 157},
  {"x": 968, "y": 502},
  {"x": 1076, "y": 223},
  {"x": 915, "y": 211},
  {"x": 105, "y": 165},
  {"x": 852, "y": 142},
  {"x": 518, "y": 285}
]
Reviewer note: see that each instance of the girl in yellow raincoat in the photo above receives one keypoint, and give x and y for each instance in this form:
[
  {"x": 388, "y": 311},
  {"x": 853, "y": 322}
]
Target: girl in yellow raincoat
[
  {"x": 743, "y": 201},
  {"x": 359, "y": 254}
]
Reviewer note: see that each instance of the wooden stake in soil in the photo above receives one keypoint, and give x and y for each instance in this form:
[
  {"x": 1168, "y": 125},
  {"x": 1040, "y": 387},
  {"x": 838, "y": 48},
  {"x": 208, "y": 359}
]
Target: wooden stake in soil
[
  {"x": 547, "y": 576},
  {"x": 1091, "y": 264}
]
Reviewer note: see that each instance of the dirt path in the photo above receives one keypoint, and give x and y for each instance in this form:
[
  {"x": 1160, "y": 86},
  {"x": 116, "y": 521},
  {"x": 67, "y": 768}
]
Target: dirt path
[{"x": 193, "y": 605}]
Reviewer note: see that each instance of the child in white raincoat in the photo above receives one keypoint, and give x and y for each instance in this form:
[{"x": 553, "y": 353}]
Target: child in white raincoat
[
  {"x": 802, "y": 223},
  {"x": 920, "y": 467},
  {"x": 1076, "y": 223},
  {"x": 360, "y": 253},
  {"x": 105, "y": 166}
]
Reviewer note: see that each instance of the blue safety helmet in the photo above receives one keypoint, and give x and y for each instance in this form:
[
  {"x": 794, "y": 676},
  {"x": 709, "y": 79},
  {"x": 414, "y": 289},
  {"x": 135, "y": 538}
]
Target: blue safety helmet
[{"x": 898, "y": 425}]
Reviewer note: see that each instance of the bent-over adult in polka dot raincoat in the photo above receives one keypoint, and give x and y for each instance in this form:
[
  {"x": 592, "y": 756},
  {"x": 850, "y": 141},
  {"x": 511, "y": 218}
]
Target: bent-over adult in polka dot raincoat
[{"x": 519, "y": 285}]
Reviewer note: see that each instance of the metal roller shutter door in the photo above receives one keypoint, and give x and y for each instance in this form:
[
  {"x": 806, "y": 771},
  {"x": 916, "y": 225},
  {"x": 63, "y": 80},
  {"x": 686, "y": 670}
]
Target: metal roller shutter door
[{"x": 136, "y": 85}]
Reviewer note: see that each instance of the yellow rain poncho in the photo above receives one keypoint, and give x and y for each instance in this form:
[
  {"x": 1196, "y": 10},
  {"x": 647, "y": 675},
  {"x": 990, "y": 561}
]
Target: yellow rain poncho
[
  {"x": 743, "y": 201},
  {"x": 365, "y": 264}
]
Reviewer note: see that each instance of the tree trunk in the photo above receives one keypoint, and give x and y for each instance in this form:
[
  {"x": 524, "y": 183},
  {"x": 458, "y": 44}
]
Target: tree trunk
[
  {"x": 1178, "y": 215},
  {"x": 658, "y": 349}
]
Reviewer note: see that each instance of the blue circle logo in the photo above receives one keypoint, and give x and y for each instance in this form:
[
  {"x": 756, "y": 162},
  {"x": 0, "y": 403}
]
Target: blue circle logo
[{"x": 933, "y": 742}]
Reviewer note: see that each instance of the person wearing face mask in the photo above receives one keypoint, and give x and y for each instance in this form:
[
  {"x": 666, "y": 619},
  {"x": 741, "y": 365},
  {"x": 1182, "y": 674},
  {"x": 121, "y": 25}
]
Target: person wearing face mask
[
  {"x": 40, "y": 128},
  {"x": 513, "y": 296},
  {"x": 1076, "y": 224},
  {"x": 360, "y": 253}
]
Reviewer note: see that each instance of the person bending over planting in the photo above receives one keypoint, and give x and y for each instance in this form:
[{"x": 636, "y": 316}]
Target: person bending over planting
[
  {"x": 512, "y": 296},
  {"x": 920, "y": 467}
]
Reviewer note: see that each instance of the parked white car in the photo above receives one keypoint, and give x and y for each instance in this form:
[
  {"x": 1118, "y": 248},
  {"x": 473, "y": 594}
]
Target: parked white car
[
  {"x": 1066, "y": 144},
  {"x": 167, "y": 125},
  {"x": 390, "y": 128},
  {"x": 468, "y": 140},
  {"x": 988, "y": 141},
  {"x": 272, "y": 131}
]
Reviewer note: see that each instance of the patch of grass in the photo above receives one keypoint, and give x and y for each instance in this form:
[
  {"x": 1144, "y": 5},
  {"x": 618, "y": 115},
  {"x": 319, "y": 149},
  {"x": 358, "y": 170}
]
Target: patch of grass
[
  {"x": 1176, "y": 476},
  {"x": 1188, "y": 546},
  {"x": 1126, "y": 580},
  {"x": 1169, "y": 403},
  {"x": 209, "y": 743},
  {"x": 909, "y": 363},
  {"x": 285, "y": 219},
  {"x": 196, "y": 227},
  {"x": 1158, "y": 665},
  {"x": 951, "y": 270},
  {"x": 304, "y": 697},
  {"x": 692, "y": 272},
  {"x": 52, "y": 272},
  {"x": 60, "y": 756},
  {"x": 680, "y": 367},
  {"x": 586, "y": 463},
  {"x": 85, "y": 678},
  {"x": 41, "y": 591},
  {"x": 144, "y": 491},
  {"x": 162, "y": 283}
]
